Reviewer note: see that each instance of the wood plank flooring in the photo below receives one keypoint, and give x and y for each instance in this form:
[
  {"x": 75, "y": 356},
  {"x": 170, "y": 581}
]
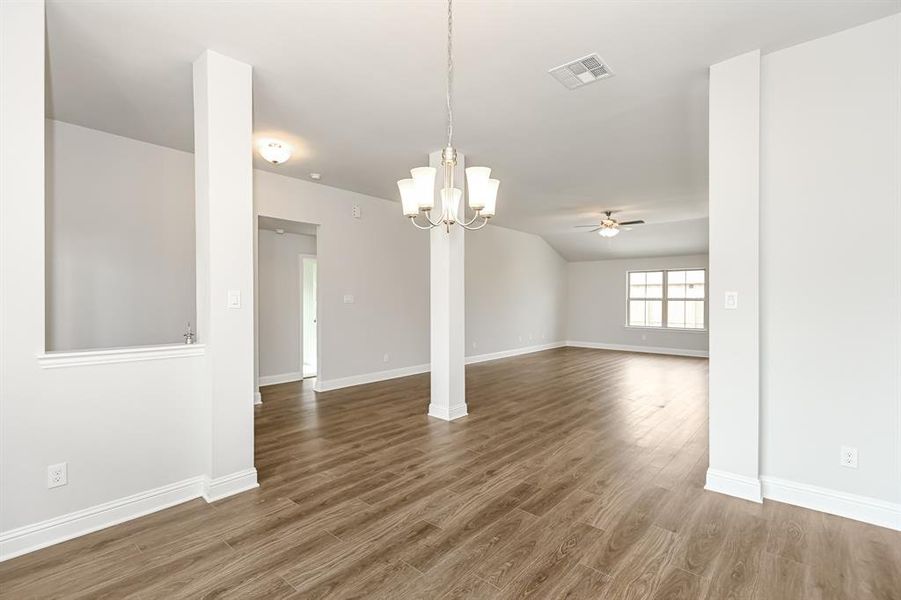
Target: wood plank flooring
[{"x": 577, "y": 474}]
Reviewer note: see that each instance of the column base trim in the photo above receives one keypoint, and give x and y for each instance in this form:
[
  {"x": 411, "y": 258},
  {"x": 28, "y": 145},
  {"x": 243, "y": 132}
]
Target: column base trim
[
  {"x": 732, "y": 484},
  {"x": 447, "y": 414}
]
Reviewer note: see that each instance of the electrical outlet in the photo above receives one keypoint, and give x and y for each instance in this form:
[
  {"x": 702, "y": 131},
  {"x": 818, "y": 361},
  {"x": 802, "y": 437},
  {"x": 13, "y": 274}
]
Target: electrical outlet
[
  {"x": 848, "y": 457},
  {"x": 56, "y": 475},
  {"x": 475, "y": 344},
  {"x": 386, "y": 358}
]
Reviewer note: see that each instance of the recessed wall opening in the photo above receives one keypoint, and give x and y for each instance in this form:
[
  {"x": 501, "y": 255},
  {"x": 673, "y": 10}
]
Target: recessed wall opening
[
  {"x": 286, "y": 298},
  {"x": 120, "y": 250}
]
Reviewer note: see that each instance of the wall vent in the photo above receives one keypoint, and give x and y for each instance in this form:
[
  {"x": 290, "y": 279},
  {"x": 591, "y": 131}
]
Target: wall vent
[{"x": 583, "y": 71}]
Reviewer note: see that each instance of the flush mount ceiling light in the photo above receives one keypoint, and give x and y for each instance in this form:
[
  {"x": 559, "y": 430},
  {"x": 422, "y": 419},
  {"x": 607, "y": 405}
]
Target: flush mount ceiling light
[
  {"x": 418, "y": 194},
  {"x": 274, "y": 151}
]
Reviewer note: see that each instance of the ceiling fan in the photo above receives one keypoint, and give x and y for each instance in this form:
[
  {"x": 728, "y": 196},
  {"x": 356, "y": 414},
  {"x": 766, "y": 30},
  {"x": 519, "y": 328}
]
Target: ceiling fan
[{"x": 609, "y": 226}]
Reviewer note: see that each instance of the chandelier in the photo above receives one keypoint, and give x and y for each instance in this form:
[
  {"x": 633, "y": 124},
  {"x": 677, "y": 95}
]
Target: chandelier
[{"x": 418, "y": 194}]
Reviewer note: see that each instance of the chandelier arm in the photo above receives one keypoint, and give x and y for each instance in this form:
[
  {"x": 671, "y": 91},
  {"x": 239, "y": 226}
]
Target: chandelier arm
[
  {"x": 428, "y": 217},
  {"x": 418, "y": 226},
  {"x": 468, "y": 227},
  {"x": 471, "y": 221}
]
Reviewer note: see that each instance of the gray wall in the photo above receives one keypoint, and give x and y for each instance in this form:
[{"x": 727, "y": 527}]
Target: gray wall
[
  {"x": 279, "y": 298},
  {"x": 120, "y": 240},
  {"x": 830, "y": 294},
  {"x": 515, "y": 291},
  {"x": 596, "y": 304}
]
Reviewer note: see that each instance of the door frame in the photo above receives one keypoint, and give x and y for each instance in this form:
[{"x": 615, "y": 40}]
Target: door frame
[{"x": 300, "y": 259}]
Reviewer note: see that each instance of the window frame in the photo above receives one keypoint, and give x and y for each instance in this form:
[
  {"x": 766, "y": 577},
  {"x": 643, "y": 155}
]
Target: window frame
[{"x": 665, "y": 299}]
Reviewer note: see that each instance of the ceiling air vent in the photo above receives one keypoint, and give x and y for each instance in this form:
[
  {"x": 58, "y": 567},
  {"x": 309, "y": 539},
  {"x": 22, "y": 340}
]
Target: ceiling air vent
[{"x": 583, "y": 71}]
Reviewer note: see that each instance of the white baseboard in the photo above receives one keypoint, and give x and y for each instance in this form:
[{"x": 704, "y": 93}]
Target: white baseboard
[
  {"x": 851, "y": 506},
  {"x": 229, "y": 485},
  {"x": 280, "y": 378},
  {"x": 514, "y": 352},
  {"x": 65, "y": 527},
  {"x": 645, "y": 349},
  {"x": 29, "y": 538},
  {"x": 732, "y": 484},
  {"x": 343, "y": 382},
  {"x": 447, "y": 413}
]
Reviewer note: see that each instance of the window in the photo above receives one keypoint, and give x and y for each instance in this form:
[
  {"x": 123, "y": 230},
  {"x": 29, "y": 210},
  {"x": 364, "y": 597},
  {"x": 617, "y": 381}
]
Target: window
[{"x": 672, "y": 299}]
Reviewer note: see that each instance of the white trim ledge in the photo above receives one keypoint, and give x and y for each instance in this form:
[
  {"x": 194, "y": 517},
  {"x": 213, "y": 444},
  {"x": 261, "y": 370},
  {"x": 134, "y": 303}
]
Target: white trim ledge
[
  {"x": 851, "y": 506},
  {"x": 66, "y": 527},
  {"x": 280, "y": 378},
  {"x": 644, "y": 349},
  {"x": 733, "y": 484},
  {"x": 322, "y": 385},
  {"x": 79, "y": 358},
  {"x": 229, "y": 485}
]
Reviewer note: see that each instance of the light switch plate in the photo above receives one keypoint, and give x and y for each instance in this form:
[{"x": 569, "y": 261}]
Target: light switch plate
[
  {"x": 348, "y": 298},
  {"x": 731, "y": 300},
  {"x": 234, "y": 299}
]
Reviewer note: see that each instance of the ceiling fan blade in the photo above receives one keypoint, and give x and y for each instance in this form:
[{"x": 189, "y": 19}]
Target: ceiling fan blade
[
  {"x": 632, "y": 222},
  {"x": 584, "y": 225},
  {"x": 595, "y": 229}
]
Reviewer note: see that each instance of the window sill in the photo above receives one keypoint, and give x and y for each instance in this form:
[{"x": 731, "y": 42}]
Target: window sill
[
  {"x": 54, "y": 360},
  {"x": 670, "y": 329}
]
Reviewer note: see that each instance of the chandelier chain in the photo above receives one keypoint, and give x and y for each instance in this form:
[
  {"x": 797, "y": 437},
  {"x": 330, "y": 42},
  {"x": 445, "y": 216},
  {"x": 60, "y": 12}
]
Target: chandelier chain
[{"x": 450, "y": 73}]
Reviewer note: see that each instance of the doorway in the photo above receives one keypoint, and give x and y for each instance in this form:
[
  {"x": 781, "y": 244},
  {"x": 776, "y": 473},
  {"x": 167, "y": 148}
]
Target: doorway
[
  {"x": 308, "y": 316},
  {"x": 287, "y": 323}
]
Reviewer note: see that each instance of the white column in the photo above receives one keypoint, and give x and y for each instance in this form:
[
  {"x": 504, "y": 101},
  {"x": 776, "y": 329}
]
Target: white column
[
  {"x": 448, "y": 318},
  {"x": 223, "y": 122},
  {"x": 734, "y": 257}
]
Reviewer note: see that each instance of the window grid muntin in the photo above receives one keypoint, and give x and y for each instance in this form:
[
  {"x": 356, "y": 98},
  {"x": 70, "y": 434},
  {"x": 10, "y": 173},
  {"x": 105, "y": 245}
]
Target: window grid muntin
[{"x": 664, "y": 299}]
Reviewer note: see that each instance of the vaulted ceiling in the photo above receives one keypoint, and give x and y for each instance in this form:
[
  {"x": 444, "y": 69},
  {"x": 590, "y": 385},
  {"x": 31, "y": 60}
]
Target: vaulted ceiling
[{"x": 358, "y": 88}]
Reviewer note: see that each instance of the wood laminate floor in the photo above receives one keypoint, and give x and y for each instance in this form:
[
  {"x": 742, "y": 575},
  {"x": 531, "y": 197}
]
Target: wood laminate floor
[{"x": 577, "y": 474}]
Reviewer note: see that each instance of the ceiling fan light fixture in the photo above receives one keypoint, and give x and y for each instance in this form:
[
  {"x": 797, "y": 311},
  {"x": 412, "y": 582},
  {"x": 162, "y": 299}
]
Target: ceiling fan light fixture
[{"x": 608, "y": 232}]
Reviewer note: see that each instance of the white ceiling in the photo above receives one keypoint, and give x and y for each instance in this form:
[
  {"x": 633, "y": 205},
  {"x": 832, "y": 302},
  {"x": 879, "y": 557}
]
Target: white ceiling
[{"x": 358, "y": 88}]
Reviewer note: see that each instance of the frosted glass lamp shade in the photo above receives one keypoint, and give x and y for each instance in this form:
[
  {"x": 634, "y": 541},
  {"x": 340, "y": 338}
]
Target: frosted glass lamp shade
[
  {"x": 451, "y": 204},
  {"x": 477, "y": 179},
  {"x": 408, "y": 197},
  {"x": 490, "y": 198},
  {"x": 425, "y": 186},
  {"x": 274, "y": 151},
  {"x": 608, "y": 232}
]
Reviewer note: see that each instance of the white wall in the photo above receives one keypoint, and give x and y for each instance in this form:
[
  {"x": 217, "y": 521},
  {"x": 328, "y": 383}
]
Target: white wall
[
  {"x": 515, "y": 291},
  {"x": 830, "y": 294},
  {"x": 120, "y": 240},
  {"x": 734, "y": 238},
  {"x": 378, "y": 259},
  {"x": 123, "y": 428},
  {"x": 596, "y": 308},
  {"x": 279, "y": 299}
]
